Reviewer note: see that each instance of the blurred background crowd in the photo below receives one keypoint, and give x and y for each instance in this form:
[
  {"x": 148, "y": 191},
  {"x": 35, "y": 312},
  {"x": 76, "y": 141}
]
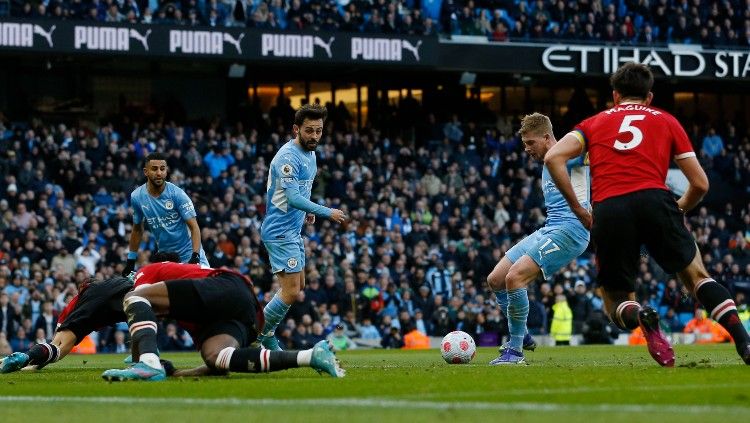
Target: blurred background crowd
[{"x": 645, "y": 22}]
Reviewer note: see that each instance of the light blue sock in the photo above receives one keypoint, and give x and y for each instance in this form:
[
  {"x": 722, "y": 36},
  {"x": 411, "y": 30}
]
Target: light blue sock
[
  {"x": 274, "y": 313},
  {"x": 502, "y": 300},
  {"x": 518, "y": 313}
]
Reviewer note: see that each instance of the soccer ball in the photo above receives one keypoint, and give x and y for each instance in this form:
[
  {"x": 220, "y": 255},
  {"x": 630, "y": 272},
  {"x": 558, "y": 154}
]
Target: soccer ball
[{"x": 458, "y": 348}]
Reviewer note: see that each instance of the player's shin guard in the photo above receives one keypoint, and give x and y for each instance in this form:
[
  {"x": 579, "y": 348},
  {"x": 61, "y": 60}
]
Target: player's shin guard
[
  {"x": 518, "y": 313},
  {"x": 274, "y": 313},
  {"x": 142, "y": 323},
  {"x": 626, "y": 315},
  {"x": 717, "y": 301},
  {"x": 256, "y": 360},
  {"x": 43, "y": 354}
]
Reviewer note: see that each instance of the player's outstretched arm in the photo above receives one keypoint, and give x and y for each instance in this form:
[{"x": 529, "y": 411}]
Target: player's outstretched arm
[
  {"x": 697, "y": 183},
  {"x": 195, "y": 236},
  {"x": 200, "y": 371},
  {"x": 135, "y": 241},
  {"x": 556, "y": 161},
  {"x": 298, "y": 201}
]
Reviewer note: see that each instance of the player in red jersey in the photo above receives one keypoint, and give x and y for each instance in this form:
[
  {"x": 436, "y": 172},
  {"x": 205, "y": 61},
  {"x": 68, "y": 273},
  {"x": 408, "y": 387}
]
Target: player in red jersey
[
  {"x": 221, "y": 312},
  {"x": 97, "y": 305},
  {"x": 630, "y": 147}
]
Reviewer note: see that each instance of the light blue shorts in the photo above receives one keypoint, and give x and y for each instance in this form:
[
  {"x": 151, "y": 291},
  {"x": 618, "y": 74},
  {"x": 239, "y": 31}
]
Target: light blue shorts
[
  {"x": 551, "y": 248},
  {"x": 286, "y": 255}
]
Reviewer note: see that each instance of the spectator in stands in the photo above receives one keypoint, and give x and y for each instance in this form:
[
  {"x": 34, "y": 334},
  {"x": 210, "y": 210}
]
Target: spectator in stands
[
  {"x": 340, "y": 341},
  {"x": 9, "y": 318},
  {"x": 172, "y": 341},
  {"x": 705, "y": 329},
  {"x": 580, "y": 305},
  {"x": 440, "y": 280},
  {"x": 672, "y": 321},
  {"x": 87, "y": 257},
  {"x": 561, "y": 328},
  {"x": 21, "y": 341},
  {"x": 712, "y": 144},
  {"x": 369, "y": 332},
  {"x": 597, "y": 329},
  {"x": 118, "y": 346},
  {"x": 414, "y": 339},
  {"x": 46, "y": 321},
  {"x": 392, "y": 339}
]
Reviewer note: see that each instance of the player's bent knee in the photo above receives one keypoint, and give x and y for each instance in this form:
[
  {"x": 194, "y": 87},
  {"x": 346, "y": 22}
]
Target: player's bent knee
[
  {"x": 132, "y": 299},
  {"x": 516, "y": 280},
  {"x": 495, "y": 282}
]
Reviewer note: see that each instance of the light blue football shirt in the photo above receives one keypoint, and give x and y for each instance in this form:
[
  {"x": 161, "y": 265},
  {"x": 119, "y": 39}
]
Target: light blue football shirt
[
  {"x": 291, "y": 168},
  {"x": 558, "y": 210},
  {"x": 165, "y": 217}
]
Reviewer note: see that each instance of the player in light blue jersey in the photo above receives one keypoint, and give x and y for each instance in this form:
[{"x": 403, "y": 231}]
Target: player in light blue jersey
[
  {"x": 169, "y": 214},
  {"x": 562, "y": 239},
  {"x": 288, "y": 207}
]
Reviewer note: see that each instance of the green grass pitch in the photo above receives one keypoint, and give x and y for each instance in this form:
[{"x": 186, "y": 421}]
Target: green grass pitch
[{"x": 562, "y": 384}]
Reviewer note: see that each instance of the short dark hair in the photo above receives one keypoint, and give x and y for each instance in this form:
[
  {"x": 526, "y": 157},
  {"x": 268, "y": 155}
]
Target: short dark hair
[
  {"x": 154, "y": 156},
  {"x": 310, "y": 112},
  {"x": 632, "y": 80},
  {"x": 162, "y": 256}
]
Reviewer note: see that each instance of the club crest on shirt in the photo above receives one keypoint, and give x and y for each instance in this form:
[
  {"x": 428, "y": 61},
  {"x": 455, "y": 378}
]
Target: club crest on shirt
[
  {"x": 169, "y": 205},
  {"x": 286, "y": 169},
  {"x": 291, "y": 263}
]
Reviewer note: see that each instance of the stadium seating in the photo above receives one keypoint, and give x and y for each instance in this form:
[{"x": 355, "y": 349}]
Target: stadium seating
[{"x": 447, "y": 15}]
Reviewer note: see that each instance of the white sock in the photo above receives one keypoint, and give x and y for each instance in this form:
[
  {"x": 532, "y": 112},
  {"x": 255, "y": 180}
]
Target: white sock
[
  {"x": 224, "y": 358},
  {"x": 151, "y": 359},
  {"x": 304, "y": 357}
]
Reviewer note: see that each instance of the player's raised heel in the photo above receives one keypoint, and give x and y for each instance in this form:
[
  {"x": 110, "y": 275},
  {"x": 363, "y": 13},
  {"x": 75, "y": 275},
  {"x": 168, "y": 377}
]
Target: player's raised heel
[
  {"x": 138, "y": 371},
  {"x": 269, "y": 342},
  {"x": 658, "y": 344},
  {"x": 14, "y": 362},
  {"x": 324, "y": 360},
  {"x": 529, "y": 344},
  {"x": 509, "y": 356}
]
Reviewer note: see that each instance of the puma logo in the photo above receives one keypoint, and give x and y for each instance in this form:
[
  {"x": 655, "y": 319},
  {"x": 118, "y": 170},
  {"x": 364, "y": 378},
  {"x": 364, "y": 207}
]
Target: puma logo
[
  {"x": 47, "y": 35},
  {"x": 325, "y": 46},
  {"x": 235, "y": 42},
  {"x": 142, "y": 38},
  {"x": 414, "y": 49}
]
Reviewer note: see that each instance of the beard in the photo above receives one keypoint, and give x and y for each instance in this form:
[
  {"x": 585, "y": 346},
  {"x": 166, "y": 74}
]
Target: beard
[
  {"x": 156, "y": 182},
  {"x": 309, "y": 144}
]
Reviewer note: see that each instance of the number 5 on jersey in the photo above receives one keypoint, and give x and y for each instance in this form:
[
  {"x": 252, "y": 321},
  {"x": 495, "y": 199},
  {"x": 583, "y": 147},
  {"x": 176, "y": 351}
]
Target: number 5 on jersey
[{"x": 626, "y": 126}]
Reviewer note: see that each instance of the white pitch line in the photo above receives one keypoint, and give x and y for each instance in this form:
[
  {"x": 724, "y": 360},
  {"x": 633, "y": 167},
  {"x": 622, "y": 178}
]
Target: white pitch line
[
  {"x": 581, "y": 389},
  {"x": 390, "y": 403}
]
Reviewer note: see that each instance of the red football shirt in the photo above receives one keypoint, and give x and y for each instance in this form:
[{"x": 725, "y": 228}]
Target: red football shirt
[
  {"x": 630, "y": 147},
  {"x": 166, "y": 271}
]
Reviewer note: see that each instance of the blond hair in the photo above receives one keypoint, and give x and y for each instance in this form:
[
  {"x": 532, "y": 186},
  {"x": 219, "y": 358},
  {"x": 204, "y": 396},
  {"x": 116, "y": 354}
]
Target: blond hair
[{"x": 535, "y": 123}]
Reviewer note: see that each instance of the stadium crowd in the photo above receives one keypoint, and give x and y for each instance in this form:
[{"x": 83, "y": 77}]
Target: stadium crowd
[
  {"x": 435, "y": 201},
  {"x": 648, "y": 22}
]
